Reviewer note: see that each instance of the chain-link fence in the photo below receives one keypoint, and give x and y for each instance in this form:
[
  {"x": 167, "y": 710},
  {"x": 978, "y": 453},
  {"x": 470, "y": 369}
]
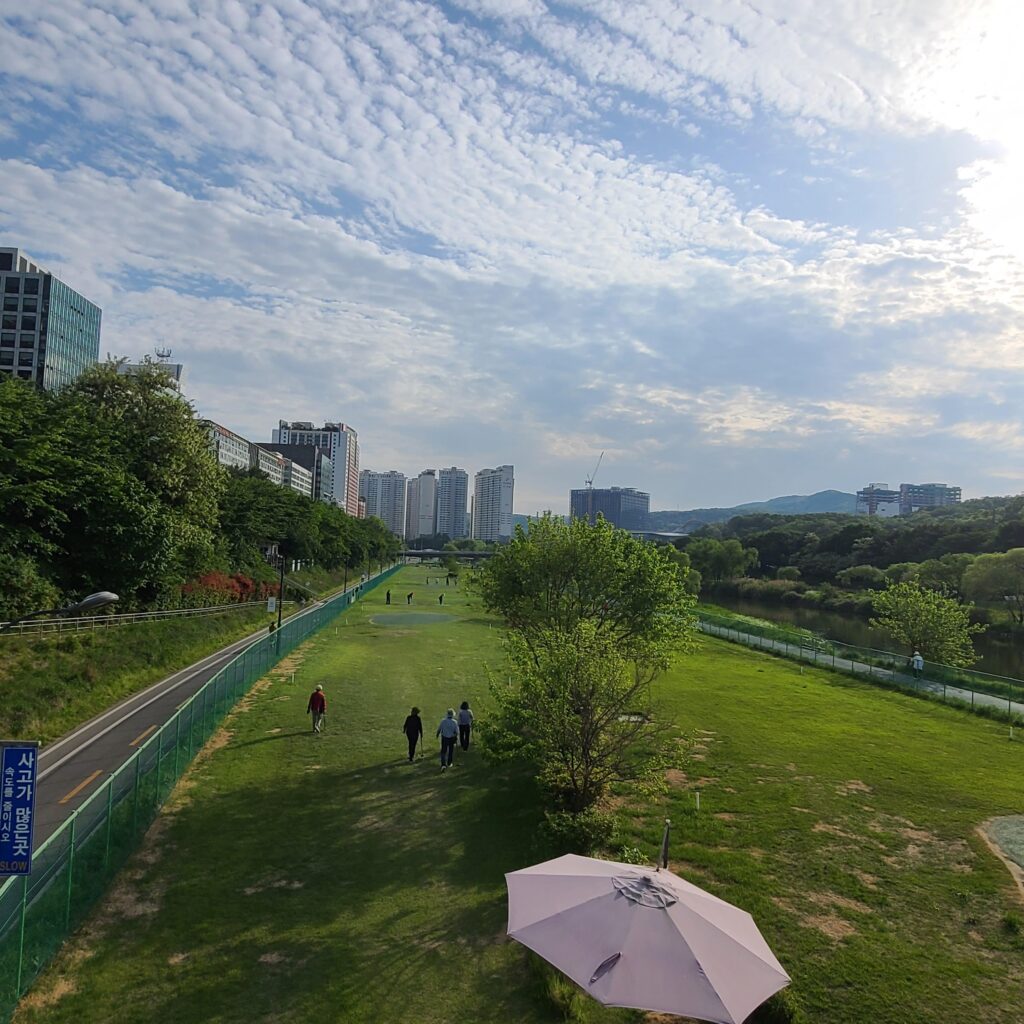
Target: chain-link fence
[
  {"x": 72, "y": 869},
  {"x": 997, "y": 694}
]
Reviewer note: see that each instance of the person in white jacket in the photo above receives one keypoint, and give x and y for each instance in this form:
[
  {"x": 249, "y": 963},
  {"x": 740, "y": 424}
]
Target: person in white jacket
[
  {"x": 465, "y": 724},
  {"x": 448, "y": 730}
]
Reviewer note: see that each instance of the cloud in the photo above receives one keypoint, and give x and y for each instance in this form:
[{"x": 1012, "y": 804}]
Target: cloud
[{"x": 527, "y": 232}]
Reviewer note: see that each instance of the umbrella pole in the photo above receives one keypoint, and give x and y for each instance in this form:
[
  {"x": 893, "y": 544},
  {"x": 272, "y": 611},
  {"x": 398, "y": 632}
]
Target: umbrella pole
[{"x": 664, "y": 845}]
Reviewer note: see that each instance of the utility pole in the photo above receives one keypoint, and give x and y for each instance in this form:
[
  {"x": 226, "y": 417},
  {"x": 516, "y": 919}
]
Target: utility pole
[{"x": 280, "y": 592}]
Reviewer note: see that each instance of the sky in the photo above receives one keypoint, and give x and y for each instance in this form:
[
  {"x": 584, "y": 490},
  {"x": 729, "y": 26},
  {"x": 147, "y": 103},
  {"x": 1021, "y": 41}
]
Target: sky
[{"x": 745, "y": 249}]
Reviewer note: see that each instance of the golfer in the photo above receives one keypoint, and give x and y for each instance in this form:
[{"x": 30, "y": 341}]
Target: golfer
[
  {"x": 448, "y": 730},
  {"x": 317, "y": 707},
  {"x": 413, "y": 730},
  {"x": 465, "y": 724}
]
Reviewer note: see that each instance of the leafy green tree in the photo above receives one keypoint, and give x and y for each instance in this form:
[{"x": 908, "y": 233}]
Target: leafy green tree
[
  {"x": 1000, "y": 579},
  {"x": 559, "y": 574},
  {"x": 861, "y": 577},
  {"x": 718, "y": 560},
  {"x": 919, "y": 619},
  {"x": 787, "y": 572},
  {"x": 691, "y": 579},
  {"x": 579, "y": 711}
]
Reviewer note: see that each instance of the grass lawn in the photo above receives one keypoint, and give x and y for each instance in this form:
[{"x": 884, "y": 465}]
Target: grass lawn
[
  {"x": 50, "y": 684},
  {"x": 307, "y": 880}
]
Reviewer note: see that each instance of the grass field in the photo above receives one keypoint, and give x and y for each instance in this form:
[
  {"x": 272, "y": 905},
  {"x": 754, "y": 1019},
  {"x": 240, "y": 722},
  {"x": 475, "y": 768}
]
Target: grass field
[
  {"x": 307, "y": 880},
  {"x": 50, "y": 684}
]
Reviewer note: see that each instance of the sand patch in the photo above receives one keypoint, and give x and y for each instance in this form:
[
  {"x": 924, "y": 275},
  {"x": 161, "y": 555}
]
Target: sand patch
[
  {"x": 675, "y": 777},
  {"x": 698, "y": 757},
  {"x": 836, "y": 928},
  {"x": 803, "y": 810},
  {"x": 832, "y": 830},
  {"x": 868, "y": 881},
  {"x": 988, "y": 832},
  {"x": 176, "y": 959},
  {"x": 833, "y": 899},
  {"x": 853, "y": 786},
  {"x": 44, "y": 996},
  {"x": 273, "y": 958},
  {"x": 725, "y": 816},
  {"x": 272, "y": 883}
]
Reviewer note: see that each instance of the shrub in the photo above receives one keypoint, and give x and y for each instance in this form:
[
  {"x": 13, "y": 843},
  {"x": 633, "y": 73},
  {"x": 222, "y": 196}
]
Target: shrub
[
  {"x": 780, "y": 1009},
  {"x": 632, "y": 855},
  {"x": 581, "y": 833}
]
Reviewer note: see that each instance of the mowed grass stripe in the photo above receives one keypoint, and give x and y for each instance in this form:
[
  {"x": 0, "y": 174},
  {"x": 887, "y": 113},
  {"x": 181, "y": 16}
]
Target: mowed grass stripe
[{"x": 303, "y": 879}]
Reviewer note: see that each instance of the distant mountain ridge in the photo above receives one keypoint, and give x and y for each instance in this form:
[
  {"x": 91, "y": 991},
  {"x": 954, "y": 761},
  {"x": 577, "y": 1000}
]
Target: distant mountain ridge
[{"x": 678, "y": 521}]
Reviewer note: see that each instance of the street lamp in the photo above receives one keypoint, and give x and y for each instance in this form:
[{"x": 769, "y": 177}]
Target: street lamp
[{"x": 88, "y": 604}]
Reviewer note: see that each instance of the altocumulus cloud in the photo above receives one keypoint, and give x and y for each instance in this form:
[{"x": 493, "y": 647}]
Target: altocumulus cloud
[{"x": 491, "y": 231}]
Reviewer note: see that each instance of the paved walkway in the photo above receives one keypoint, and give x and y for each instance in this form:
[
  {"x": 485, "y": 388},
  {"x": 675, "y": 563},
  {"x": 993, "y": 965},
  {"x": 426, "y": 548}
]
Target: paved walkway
[{"x": 860, "y": 668}]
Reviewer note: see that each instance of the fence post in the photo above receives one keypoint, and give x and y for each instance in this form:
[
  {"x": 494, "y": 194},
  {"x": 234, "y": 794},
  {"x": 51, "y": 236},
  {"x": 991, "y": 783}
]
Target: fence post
[
  {"x": 21, "y": 934},
  {"x": 110, "y": 820},
  {"x": 71, "y": 871},
  {"x": 177, "y": 732},
  {"x": 135, "y": 795},
  {"x": 191, "y": 724},
  {"x": 159, "y": 763}
]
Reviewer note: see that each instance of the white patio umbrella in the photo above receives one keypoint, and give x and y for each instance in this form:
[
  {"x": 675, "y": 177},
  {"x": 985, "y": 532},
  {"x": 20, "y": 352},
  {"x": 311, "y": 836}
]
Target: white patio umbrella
[{"x": 639, "y": 937}]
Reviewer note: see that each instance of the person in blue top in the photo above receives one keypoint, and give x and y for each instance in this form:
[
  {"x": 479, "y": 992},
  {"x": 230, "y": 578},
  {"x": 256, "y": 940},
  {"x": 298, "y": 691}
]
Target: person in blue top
[{"x": 448, "y": 730}]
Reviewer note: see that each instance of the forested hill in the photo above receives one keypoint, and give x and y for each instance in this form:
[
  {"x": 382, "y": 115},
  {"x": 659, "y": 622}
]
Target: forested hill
[
  {"x": 821, "y": 545},
  {"x": 790, "y": 504}
]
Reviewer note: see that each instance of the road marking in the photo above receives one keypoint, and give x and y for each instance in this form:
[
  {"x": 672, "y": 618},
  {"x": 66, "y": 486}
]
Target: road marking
[
  {"x": 142, "y": 735},
  {"x": 78, "y": 789}
]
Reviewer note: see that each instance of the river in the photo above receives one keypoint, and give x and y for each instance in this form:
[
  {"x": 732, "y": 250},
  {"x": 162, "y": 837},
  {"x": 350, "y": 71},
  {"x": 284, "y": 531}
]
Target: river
[{"x": 1000, "y": 656}]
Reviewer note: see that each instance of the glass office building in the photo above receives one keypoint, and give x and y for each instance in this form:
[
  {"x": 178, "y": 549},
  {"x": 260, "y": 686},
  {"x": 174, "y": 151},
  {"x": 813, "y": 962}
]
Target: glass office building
[{"x": 49, "y": 333}]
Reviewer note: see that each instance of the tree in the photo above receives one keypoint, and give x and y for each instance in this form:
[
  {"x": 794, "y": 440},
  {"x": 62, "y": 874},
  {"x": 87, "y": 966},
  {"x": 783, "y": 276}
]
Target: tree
[
  {"x": 924, "y": 620},
  {"x": 998, "y": 578},
  {"x": 718, "y": 560},
  {"x": 559, "y": 574},
  {"x": 580, "y": 711},
  {"x": 860, "y": 577},
  {"x": 787, "y": 572}
]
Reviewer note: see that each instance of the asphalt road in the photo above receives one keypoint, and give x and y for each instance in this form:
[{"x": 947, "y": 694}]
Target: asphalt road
[{"x": 71, "y": 768}]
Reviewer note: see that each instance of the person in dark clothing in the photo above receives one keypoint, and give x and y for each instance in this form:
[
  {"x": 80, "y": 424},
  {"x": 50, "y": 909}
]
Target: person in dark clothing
[
  {"x": 440, "y": 598},
  {"x": 465, "y": 724},
  {"x": 413, "y": 730},
  {"x": 408, "y": 598},
  {"x": 387, "y": 597}
]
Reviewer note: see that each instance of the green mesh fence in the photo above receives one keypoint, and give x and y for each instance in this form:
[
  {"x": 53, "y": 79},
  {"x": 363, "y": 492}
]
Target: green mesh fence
[
  {"x": 997, "y": 694},
  {"x": 72, "y": 869}
]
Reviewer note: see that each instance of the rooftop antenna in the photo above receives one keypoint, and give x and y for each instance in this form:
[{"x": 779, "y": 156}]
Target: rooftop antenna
[{"x": 590, "y": 490}]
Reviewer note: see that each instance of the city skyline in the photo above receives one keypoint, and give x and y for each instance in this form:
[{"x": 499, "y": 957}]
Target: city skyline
[{"x": 746, "y": 253}]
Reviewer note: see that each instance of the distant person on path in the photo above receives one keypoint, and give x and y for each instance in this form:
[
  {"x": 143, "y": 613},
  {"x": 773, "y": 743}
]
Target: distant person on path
[
  {"x": 448, "y": 730},
  {"x": 413, "y": 730},
  {"x": 387, "y": 597},
  {"x": 465, "y": 724},
  {"x": 408, "y": 598},
  {"x": 440, "y": 598},
  {"x": 917, "y": 663},
  {"x": 317, "y": 707}
]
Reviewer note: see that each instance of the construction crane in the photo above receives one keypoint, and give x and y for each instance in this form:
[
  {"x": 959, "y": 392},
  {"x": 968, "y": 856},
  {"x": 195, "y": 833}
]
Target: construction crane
[{"x": 590, "y": 490}]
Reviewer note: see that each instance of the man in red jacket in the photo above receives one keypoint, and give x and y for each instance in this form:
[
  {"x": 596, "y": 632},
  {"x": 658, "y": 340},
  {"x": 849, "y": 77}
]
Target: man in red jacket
[{"x": 317, "y": 707}]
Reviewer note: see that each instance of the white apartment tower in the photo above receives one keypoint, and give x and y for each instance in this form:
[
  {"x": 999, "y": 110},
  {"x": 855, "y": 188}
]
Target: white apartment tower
[
  {"x": 420, "y": 506},
  {"x": 492, "y": 504},
  {"x": 452, "y": 495},
  {"x": 342, "y": 442},
  {"x": 384, "y": 494}
]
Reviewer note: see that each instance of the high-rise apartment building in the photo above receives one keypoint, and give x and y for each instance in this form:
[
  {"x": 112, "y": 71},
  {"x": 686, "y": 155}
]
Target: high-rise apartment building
[
  {"x": 452, "y": 497},
  {"x": 342, "y": 442},
  {"x": 385, "y": 495},
  {"x": 316, "y": 460},
  {"x": 492, "y": 504},
  {"x": 421, "y": 505},
  {"x": 49, "y": 333},
  {"x": 624, "y": 507},
  {"x": 882, "y": 500},
  {"x": 918, "y": 496}
]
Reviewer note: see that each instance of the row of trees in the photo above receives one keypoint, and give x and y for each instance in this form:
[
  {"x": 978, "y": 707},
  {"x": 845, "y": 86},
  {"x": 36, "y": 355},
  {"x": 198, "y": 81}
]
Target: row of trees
[
  {"x": 822, "y": 546},
  {"x": 593, "y": 617},
  {"x": 111, "y": 484}
]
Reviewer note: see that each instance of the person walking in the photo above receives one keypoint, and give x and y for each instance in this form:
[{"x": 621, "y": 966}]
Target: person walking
[
  {"x": 440, "y": 598},
  {"x": 465, "y": 724},
  {"x": 387, "y": 597},
  {"x": 448, "y": 730},
  {"x": 408, "y": 598},
  {"x": 317, "y": 707},
  {"x": 917, "y": 663},
  {"x": 413, "y": 730}
]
